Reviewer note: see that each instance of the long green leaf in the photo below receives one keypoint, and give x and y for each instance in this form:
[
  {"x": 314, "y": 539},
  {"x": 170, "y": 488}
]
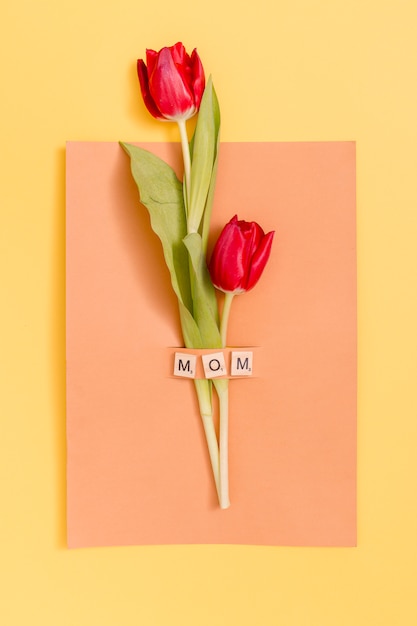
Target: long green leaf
[
  {"x": 190, "y": 331},
  {"x": 161, "y": 193},
  {"x": 203, "y": 155},
  {"x": 204, "y": 298},
  {"x": 205, "y": 228}
]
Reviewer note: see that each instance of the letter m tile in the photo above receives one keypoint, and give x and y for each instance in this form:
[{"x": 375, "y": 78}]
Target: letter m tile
[
  {"x": 242, "y": 363},
  {"x": 184, "y": 365}
]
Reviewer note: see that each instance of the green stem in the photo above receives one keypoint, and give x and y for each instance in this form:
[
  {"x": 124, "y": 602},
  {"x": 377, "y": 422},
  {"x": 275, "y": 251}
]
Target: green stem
[
  {"x": 203, "y": 387},
  {"x": 228, "y": 299},
  {"x": 187, "y": 162},
  {"x": 222, "y": 388},
  {"x": 204, "y": 399}
]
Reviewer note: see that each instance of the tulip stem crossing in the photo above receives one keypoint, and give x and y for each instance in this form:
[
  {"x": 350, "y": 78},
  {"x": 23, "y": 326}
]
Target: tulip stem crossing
[{"x": 222, "y": 388}]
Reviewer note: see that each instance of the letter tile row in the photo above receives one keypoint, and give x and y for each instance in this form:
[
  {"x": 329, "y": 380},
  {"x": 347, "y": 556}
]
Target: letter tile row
[{"x": 214, "y": 364}]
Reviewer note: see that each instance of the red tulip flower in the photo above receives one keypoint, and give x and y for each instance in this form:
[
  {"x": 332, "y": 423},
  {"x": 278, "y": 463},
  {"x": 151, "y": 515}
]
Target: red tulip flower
[
  {"x": 172, "y": 82},
  {"x": 238, "y": 260},
  {"x": 239, "y": 256}
]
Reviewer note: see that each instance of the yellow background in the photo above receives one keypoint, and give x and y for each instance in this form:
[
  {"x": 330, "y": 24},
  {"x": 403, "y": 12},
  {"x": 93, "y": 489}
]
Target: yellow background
[{"x": 289, "y": 70}]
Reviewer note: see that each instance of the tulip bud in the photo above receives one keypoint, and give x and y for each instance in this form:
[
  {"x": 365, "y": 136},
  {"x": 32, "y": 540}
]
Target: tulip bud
[
  {"x": 172, "y": 83},
  {"x": 239, "y": 256}
]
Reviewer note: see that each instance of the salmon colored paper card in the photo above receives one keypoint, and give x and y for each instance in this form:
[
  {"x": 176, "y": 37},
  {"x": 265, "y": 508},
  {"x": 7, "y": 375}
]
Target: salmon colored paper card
[{"x": 138, "y": 467}]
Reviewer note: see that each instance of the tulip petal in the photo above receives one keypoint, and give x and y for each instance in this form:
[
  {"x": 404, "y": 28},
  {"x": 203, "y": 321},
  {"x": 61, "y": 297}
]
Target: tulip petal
[
  {"x": 252, "y": 235},
  {"x": 182, "y": 62},
  {"x": 151, "y": 60},
  {"x": 197, "y": 77},
  {"x": 144, "y": 86},
  {"x": 179, "y": 54},
  {"x": 259, "y": 260},
  {"x": 167, "y": 88},
  {"x": 227, "y": 265}
]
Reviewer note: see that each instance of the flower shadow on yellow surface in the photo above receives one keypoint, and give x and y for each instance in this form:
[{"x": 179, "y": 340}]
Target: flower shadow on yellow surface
[{"x": 57, "y": 348}]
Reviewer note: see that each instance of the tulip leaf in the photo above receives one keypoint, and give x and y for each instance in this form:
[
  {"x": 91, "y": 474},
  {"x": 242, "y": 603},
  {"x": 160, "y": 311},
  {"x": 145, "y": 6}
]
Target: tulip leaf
[
  {"x": 205, "y": 229},
  {"x": 161, "y": 193},
  {"x": 190, "y": 331},
  {"x": 203, "y": 148},
  {"x": 204, "y": 298}
]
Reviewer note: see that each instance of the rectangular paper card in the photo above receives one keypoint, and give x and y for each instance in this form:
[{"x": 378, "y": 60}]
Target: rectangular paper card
[{"x": 138, "y": 467}]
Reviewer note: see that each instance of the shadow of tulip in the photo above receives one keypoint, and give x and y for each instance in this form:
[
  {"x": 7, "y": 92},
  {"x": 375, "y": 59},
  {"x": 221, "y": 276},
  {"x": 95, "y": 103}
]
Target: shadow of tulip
[{"x": 57, "y": 347}]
